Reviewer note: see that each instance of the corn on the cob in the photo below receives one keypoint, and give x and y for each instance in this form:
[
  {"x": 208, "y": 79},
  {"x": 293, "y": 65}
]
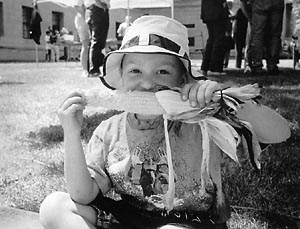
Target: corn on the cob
[
  {"x": 166, "y": 101},
  {"x": 134, "y": 102}
]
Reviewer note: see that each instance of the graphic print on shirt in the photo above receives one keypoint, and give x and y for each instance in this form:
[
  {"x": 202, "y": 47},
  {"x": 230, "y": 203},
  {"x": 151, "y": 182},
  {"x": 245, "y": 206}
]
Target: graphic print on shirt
[{"x": 149, "y": 169}]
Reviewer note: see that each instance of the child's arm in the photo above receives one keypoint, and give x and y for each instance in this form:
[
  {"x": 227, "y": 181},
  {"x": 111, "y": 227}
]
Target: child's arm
[
  {"x": 82, "y": 188},
  {"x": 199, "y": 93}
]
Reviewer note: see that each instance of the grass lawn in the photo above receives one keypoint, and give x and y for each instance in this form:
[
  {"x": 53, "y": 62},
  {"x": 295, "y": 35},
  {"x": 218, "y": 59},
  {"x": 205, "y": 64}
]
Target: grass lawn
[{"x": 31, "y": 149}]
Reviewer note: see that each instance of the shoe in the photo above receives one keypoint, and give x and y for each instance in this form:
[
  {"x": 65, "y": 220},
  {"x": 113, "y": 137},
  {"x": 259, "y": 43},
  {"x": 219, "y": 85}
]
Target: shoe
[
  {"x": 257, "y": 72},
  {"x": 274, "y": 71},
  {"x": 95, "y": 73},
  {"x": 247, "y": 70},
  {"x": 202, "y": 72},
  {"x": 85, "y": 74},
  {"x": 211, "y": 73}
]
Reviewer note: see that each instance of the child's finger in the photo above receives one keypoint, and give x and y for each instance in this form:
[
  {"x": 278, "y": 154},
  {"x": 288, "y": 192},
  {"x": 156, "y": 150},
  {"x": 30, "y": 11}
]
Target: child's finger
[
  {"x": 193, "y": 96},
  {"x": 73, "y": 94},
  {"x": 69, "y": 106},
  {"x": 201, "y": 94},
  {"x": 211, "y": 87},
  {"x": 72, "y": 100},
  {"x": 185, "y": 91},
  {"x": 75, "y": 108},
  {"x": 197, "y": 93}
]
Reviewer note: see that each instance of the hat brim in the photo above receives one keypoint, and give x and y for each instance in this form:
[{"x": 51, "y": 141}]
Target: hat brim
[{"x": 112, "y": 72}]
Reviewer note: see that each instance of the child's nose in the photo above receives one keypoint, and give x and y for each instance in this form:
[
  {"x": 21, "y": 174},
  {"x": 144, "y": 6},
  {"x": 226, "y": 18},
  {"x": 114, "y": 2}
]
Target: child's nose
[{"x": 148, "y": 83}]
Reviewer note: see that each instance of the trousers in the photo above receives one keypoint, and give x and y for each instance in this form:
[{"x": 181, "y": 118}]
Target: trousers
[
  {"x": 266, "y": 28},
  {"x": 98, "y": 20},
  {"x": 214, "y": 50}
]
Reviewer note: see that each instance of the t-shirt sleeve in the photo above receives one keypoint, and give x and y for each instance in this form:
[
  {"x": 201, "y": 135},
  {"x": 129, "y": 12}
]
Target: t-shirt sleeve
[{"x": 96, "y": 155}]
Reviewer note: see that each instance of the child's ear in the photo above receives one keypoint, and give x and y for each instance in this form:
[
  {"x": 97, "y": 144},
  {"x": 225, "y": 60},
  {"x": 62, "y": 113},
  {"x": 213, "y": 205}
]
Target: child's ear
[{"x": 185, "y": 78}]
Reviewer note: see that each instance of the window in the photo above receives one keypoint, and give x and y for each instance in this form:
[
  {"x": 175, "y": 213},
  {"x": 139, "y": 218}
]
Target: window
[
  {"x": 191, "y": 41},
  {"x": 189, "y": 26},
  {"x": 1, "y": 20},
  {"x": 117, "y": 26},
  {"x": 57, "y": 20},
  {"x": 26, "y": 14}
]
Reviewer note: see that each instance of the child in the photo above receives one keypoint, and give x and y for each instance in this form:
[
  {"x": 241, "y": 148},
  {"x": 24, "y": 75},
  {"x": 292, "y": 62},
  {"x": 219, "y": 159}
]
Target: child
[{"x": 127, "y": 153}]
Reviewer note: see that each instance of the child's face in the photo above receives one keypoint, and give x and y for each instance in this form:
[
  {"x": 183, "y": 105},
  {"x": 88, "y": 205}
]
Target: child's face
[{"x": 148, "y": 72}]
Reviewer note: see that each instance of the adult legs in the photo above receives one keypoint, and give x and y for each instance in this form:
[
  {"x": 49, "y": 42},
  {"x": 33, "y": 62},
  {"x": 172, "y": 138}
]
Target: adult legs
[
  {"x": 48, "y": 55},
  {"x": 52, "y": 53},
  {"x": 258, "y": 27},
  {"x": 218, "y": 52},
  {"x": 214, "y": 51},
  {"x": 58, "y": 211},
  {"x": 226, "y": 58},
  {"x": 84, "y": 53},
  {"x": 99, "y": 24},
  {"x": 208, "y": 48},
  {"x": 247, "y": 52},
  {"x": 239, "y": 53},
  {"x": 274, "y": 40},
  {"x": 56, "y": 52}
]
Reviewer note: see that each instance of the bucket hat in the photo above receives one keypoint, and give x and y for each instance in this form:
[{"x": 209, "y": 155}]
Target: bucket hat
[{"x": 147, "y": 34}]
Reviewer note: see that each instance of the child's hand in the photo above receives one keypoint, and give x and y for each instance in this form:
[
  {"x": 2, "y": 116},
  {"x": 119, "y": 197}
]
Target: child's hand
[
  {"x": 199, "y": 94},
  {"x": 70, "y": 113}
]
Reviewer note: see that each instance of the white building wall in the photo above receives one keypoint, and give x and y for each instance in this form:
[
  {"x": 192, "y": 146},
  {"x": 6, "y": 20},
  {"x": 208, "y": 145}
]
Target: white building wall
[
  {"x": 13, "y": 47},
  {"x": 186, "y": 12}
]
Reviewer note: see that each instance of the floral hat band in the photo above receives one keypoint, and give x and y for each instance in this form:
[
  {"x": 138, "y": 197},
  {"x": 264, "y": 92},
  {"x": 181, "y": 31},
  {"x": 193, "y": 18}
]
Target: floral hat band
[{"x": 156, "y": 40}]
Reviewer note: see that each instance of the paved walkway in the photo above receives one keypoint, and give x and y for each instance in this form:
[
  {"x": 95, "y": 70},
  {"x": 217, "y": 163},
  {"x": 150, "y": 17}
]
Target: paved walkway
[
  {"x": 12, "y": 218},
  {"x": 283, "y": 63}
]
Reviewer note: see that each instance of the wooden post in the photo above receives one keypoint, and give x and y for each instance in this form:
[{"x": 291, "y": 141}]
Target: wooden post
[
  {"x": 172, "y": 8},
  {"x": 36, "y": 54},
  {"x": 128, "y": 8}
]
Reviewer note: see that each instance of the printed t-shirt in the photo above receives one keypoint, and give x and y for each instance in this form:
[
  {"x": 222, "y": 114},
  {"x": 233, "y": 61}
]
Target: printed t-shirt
[{"x": 130, "y": 156}]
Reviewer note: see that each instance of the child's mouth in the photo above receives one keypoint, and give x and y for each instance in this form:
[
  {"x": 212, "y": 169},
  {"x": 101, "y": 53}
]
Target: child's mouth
[{"x": 159, "y": 88}]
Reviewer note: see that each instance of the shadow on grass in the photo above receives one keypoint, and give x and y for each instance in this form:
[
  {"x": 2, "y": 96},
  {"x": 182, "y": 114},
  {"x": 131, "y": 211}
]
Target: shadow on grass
[
  {"x": 275, "y": 190},
  {"x": 287, "y": 77},
  {"x": 53, "y": 134},
  {"x": 10, "y": 83}
]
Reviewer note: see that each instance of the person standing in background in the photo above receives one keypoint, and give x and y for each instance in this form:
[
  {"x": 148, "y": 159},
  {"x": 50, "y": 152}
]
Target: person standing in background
[
  {"x": 228, "y": 40},
  {"x": 228, "y": 45},
  {"x": 47, "y": 46},
  {"x": 267, "y": 18},
  {"x": 123, "y": 26},
  {"x": 240, "y": 25},
  {"x": 83, "y": 33},
  {"x": 246, "y": 7},
  {"x": 55, "y": 52},
  {"x": 97, "y": 17},
  {"x": 214, "y": 14}
]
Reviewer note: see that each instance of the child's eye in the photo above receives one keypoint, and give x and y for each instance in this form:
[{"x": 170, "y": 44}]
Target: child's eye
[
  {"x": 135, "y": 70},
  {"x": 163, "y": 72}
]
